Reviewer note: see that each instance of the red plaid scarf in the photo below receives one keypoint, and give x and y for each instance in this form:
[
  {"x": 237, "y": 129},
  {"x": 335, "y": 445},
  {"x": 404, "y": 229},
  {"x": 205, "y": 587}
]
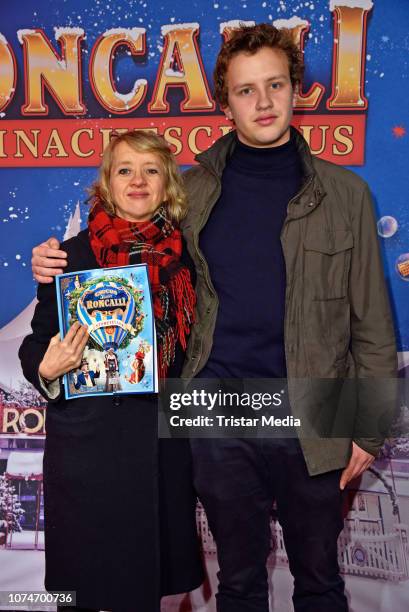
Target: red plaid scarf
[{"x": 157, "y": 243}]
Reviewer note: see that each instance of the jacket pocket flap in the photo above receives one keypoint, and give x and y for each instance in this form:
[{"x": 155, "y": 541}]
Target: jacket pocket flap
[{"x": 329, "y": 242}]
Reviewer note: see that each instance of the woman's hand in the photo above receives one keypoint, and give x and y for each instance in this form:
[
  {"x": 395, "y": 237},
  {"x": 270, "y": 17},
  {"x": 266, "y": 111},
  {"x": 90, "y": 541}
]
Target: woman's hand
[
  {"x": 62, "y": 356},
  {"x": 48, "y": 261}
]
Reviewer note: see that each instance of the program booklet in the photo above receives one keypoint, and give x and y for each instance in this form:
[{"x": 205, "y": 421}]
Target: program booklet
[{"x": 116, "y": 306}]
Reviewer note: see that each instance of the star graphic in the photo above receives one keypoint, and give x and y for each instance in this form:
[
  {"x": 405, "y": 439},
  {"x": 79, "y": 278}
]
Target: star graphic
[{"x": 398, "y": 131}]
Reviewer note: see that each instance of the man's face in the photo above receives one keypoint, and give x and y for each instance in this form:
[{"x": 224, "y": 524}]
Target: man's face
[{"x": 260, "y": 97}]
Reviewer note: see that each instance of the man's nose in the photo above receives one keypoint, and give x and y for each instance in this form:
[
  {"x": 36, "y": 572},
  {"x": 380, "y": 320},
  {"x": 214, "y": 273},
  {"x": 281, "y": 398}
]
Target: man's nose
[{"x": 264, "y": 99}]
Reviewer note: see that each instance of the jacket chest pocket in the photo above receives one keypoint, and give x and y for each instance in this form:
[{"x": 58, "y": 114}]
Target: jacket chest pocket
[{"x": 326, "y": 265}]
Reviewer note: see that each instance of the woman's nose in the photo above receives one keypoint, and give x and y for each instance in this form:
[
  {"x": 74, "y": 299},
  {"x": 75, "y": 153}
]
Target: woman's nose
[{"x": 138, "y": 178}]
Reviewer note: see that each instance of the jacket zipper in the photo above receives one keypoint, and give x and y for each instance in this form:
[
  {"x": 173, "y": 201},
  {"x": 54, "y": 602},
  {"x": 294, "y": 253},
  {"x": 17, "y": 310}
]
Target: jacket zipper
[
  {"x": 284, "y": 230},
  {"x": 204, "y": 217}
]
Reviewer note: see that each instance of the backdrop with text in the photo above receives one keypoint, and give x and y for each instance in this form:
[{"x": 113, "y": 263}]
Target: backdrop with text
[{"x": 71, "y": 75}]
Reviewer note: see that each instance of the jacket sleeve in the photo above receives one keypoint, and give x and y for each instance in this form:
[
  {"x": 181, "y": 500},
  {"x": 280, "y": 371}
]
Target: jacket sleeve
[
  {"x": 44, "y": 326},
  {"x": 373, "y": 344}
]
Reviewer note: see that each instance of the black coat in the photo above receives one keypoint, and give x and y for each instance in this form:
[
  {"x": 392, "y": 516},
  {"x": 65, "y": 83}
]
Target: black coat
[{"x": 119, "y": 503}]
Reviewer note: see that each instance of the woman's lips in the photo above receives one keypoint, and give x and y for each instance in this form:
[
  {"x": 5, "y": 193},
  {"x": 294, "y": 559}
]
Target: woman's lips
[{"x": 138, "y": 194}]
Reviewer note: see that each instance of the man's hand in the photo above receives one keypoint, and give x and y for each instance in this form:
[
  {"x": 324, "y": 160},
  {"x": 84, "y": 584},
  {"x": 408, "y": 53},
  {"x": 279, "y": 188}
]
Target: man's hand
[
  {"x": 359, "y": 462},
  {"x": 48, "y": 261},
  {"x": 62, "y": 356}
]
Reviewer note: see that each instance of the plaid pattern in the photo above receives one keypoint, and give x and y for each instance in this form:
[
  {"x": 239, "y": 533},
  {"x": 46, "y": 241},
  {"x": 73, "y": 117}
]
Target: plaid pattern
[{"x": 157, "y": 243}]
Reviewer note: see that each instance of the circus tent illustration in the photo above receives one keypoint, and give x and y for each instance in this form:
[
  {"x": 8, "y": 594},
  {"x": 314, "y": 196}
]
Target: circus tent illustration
[{"x": 12, "y": 334}]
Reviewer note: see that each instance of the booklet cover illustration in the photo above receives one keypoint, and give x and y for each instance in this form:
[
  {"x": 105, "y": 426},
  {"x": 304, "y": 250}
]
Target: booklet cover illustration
[{"x": 116, "y": 306}]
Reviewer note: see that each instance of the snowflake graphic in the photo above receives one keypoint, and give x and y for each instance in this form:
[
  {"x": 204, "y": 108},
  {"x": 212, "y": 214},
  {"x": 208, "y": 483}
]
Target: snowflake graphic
[{"x": 399, "y": 131}]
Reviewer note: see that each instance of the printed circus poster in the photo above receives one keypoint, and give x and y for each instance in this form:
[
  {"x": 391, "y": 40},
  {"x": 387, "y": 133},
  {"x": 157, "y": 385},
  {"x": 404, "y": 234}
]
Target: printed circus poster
[{"x": 115, "y": 305}]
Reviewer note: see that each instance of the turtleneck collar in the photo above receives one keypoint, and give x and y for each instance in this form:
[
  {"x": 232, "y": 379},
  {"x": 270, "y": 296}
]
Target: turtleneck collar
[{"x": 264, "y": 160}]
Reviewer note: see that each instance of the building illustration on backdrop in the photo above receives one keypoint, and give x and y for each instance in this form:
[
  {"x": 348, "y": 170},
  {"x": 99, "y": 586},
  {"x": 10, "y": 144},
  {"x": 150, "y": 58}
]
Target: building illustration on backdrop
[{"x": 374, "y": 541}]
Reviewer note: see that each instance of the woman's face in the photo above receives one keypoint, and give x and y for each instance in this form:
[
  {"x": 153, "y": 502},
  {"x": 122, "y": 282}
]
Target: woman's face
[{"x": 137, "y": 183}]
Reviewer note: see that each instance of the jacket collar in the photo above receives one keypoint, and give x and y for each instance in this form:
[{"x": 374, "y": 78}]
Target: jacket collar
[
  {"x": 216, "y": 157},
  {"x": 309, "y": 196}
]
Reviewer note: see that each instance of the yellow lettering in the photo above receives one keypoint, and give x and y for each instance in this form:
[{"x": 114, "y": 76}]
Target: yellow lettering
[
  {"x": 59, "y": 74},
  {"x": 343, "y": 139},
  {"x": 311, "y": 99},
  {"x": 55, "y": 143},
  {"x": 22, "y": 137},
  {"x": 181, "y": 66},
  {"x": 2, "y": 134},
  {"x": 101, "y": 70},
  {"x": 349, "y": 58},
  {"x": 308, "y": 131},
  {"x": 106, "y": 136},
  {"x": 225, "y": 129},
  {"x": 193, "y": 135},
  {"x": 173, "y": 140},
  {"x": 75, "y": 144},
  {"x": 8, "y": 73}
]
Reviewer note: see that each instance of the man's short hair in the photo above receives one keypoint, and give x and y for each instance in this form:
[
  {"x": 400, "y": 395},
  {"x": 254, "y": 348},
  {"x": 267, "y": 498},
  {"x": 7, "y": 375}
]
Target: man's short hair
[{"x": 250, "y": 39}]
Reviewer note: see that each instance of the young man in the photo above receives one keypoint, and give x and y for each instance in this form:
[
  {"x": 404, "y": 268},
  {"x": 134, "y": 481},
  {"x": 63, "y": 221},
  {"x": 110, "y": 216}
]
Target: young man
[{"x": 299, "y": 234}]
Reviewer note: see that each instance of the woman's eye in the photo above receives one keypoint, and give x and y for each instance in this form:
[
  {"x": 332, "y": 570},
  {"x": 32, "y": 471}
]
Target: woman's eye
[
  {"x": 123, "y": 171},
  {"x": 152, "y": 171}
]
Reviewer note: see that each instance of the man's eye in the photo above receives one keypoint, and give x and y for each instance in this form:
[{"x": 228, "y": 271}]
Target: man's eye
[
  {"x": 246, "y": 91},
  {"x": 275, "y": 85},
  {"x": 123, "y": 171}
]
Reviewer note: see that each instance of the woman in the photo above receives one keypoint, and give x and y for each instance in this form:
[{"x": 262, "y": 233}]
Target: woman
[
  {"x": 112, "y": 382},
  {"x": 119, "y": 506},
  {"x": 138, "y": 366}
]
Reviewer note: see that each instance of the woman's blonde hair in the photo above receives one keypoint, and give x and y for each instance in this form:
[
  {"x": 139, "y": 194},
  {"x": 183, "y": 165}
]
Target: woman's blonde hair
[{"x": 143, "y": 142}]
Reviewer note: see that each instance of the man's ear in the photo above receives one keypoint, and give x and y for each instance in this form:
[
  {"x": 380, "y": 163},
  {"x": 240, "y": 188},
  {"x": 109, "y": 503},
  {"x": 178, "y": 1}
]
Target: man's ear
[
  {"x": 296, "y": 89},
  {"x": 227, "y": 112}
]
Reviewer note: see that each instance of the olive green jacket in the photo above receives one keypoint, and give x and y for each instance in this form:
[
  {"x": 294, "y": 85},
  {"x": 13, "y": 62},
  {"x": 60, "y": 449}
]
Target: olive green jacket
[{"x": 338, "y": 322}]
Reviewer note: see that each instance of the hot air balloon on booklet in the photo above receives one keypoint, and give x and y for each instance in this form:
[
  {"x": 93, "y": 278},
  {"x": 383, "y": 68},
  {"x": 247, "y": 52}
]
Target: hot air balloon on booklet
[{"x": 115, "y": 305}]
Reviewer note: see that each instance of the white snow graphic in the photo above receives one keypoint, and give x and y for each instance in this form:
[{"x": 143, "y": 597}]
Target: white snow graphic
[{"x": 12, "y": 334}]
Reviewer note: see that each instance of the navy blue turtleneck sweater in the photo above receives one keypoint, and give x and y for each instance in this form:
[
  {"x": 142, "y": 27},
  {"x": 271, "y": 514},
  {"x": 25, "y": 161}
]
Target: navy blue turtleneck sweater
[{"x": 241, "y": 243}]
